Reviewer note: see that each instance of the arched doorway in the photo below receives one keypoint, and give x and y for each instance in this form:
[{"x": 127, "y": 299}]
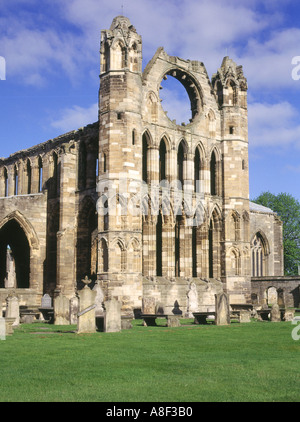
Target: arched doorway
[{"x": 14, "y": 242}]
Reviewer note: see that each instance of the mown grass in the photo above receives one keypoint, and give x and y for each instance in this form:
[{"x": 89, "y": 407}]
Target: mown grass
[{"x": 257, "y": 361}]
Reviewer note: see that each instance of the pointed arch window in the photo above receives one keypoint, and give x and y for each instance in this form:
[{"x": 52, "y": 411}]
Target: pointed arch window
[
  {"x": 214, "y": 244},
  {"x": 159, "y": 227},
  {"x": 213, "y": 174},
  {"x": 29, "y": 176},
  {"x": 119, "y": 56},
  {"x": 258, "y": 256},
  {"x": 180, "y": 163},
  {"x": 162, "y": 160},
  {"x": 16, "y": 180},
  {"x": 133, "y": 139},
  {"x": 210, "y": 250},
  {"x": 232, "y": 93},
  {"x": 197, "y": 170},
  {"x": 40, "y": 187},
  {"x": 106, "y": 216},
  {"x": 5, "y": 182},
  {"x": 82, "y": 166},
  {"x": 179, "y": 247},
  {"x": 104, "y": 163},
  {"x": 145, "y": 157},
  {"x": 220, "y": 93},
  {"x": 55, "y": 174},
  {"x": 104, "y": 250}
]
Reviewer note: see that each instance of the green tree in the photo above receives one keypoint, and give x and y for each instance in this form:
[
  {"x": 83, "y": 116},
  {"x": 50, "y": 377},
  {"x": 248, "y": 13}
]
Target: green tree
[{"x": 288, "y": 209}]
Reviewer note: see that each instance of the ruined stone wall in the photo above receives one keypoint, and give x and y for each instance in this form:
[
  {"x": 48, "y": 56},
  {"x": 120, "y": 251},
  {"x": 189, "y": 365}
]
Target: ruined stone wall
[
  {"x": 287, "y": 291},
  {"x": 46, "y": 193}
]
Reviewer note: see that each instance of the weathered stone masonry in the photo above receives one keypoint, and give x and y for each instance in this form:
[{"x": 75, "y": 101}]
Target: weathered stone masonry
[{"x": 202, "y": 234}]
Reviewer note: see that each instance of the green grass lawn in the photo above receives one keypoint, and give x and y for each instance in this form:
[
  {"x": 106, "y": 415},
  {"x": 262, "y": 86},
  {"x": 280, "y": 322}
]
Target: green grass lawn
[{"x": 257, "y": 361}]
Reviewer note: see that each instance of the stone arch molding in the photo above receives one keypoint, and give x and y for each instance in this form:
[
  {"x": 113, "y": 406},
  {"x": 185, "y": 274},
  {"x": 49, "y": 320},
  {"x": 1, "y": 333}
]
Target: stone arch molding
[{"x": 25, "y": 225}]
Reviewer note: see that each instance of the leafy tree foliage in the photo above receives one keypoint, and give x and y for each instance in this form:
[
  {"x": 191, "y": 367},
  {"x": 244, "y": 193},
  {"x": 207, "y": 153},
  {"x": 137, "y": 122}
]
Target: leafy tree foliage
[{"x": 288, "y": 209}]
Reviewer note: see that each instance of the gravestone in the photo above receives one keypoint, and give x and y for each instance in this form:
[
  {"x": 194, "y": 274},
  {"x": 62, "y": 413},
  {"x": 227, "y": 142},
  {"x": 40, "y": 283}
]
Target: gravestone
[
  {"x": 46, "y": 309},
  {"x": 61, "y": 310},
  {"x": 86, "y": 321},
  {"x": 46, "y": 302},
  {"x": 275, "y": 313},
  {"x": 112, "y": 317},
  {"x": 245, "y": 316},
  {"x": 74, "y": 307},
  {"x": 13, "y": 309},
  {"x": 99, "y": 300},
  {"x": 148, "y": 306},
  {"x": 289, "y": 315},
  {"x": 192, "y": 300},
  {"x": 2, "y": 329},
  {"x": 222, "y": 309},
  {"x": 272, "y": 296}
]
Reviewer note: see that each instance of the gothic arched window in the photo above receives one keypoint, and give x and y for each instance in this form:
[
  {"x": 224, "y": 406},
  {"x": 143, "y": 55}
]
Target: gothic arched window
[{"x": 258, "y": 256}]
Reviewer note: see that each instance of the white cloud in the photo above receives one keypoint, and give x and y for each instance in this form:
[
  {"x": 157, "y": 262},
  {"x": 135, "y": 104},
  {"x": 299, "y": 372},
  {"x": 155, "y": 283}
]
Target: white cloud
[
  {"x": 76, "y": 117},
  {"x": 32, "y": 54},
  {"x": 275, "y": 125},
  {"x": 268, "y": 64},
  {"x": 36, "y": 45}
]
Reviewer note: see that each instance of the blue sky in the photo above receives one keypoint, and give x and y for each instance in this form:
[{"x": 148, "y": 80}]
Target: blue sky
[{"x": 51, "y": 51}]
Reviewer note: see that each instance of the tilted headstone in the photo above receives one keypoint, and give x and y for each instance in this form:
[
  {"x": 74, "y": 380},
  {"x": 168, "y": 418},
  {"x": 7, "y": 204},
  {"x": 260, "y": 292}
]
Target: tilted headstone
[
  {"x": 112, "y": 317},
  {"x": 275, "y": 313},
  {"x": 74, "y": 308},
  {"x": 99, "y": 300},
  {"x": 148, "y": 306},
  {"x": 222, "y": 309},
  {"x": 86, "y": 321},
  {"x": 61, "y": 310},
  {"x": 2, "y": 329},
  {"x": 13, "y": 309}
]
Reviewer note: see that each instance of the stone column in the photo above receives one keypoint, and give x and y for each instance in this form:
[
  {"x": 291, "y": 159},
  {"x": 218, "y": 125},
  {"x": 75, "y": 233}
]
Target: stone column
[
  {"x": 11, "y": 181},
  {"x": 35, "y": 177},
  {"x": 66, "y": 257},
  {"x": 149, "y": 246}
]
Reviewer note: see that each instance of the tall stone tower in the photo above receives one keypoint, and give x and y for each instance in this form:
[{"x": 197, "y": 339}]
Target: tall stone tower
[
  {"x": 120, "y": 100},
  {"x": 230, "y": 87}
]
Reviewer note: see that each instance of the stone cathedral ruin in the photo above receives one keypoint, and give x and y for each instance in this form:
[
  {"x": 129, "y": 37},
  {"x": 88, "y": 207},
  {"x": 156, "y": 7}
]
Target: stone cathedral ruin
[{"x": 141, "y": 205}]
